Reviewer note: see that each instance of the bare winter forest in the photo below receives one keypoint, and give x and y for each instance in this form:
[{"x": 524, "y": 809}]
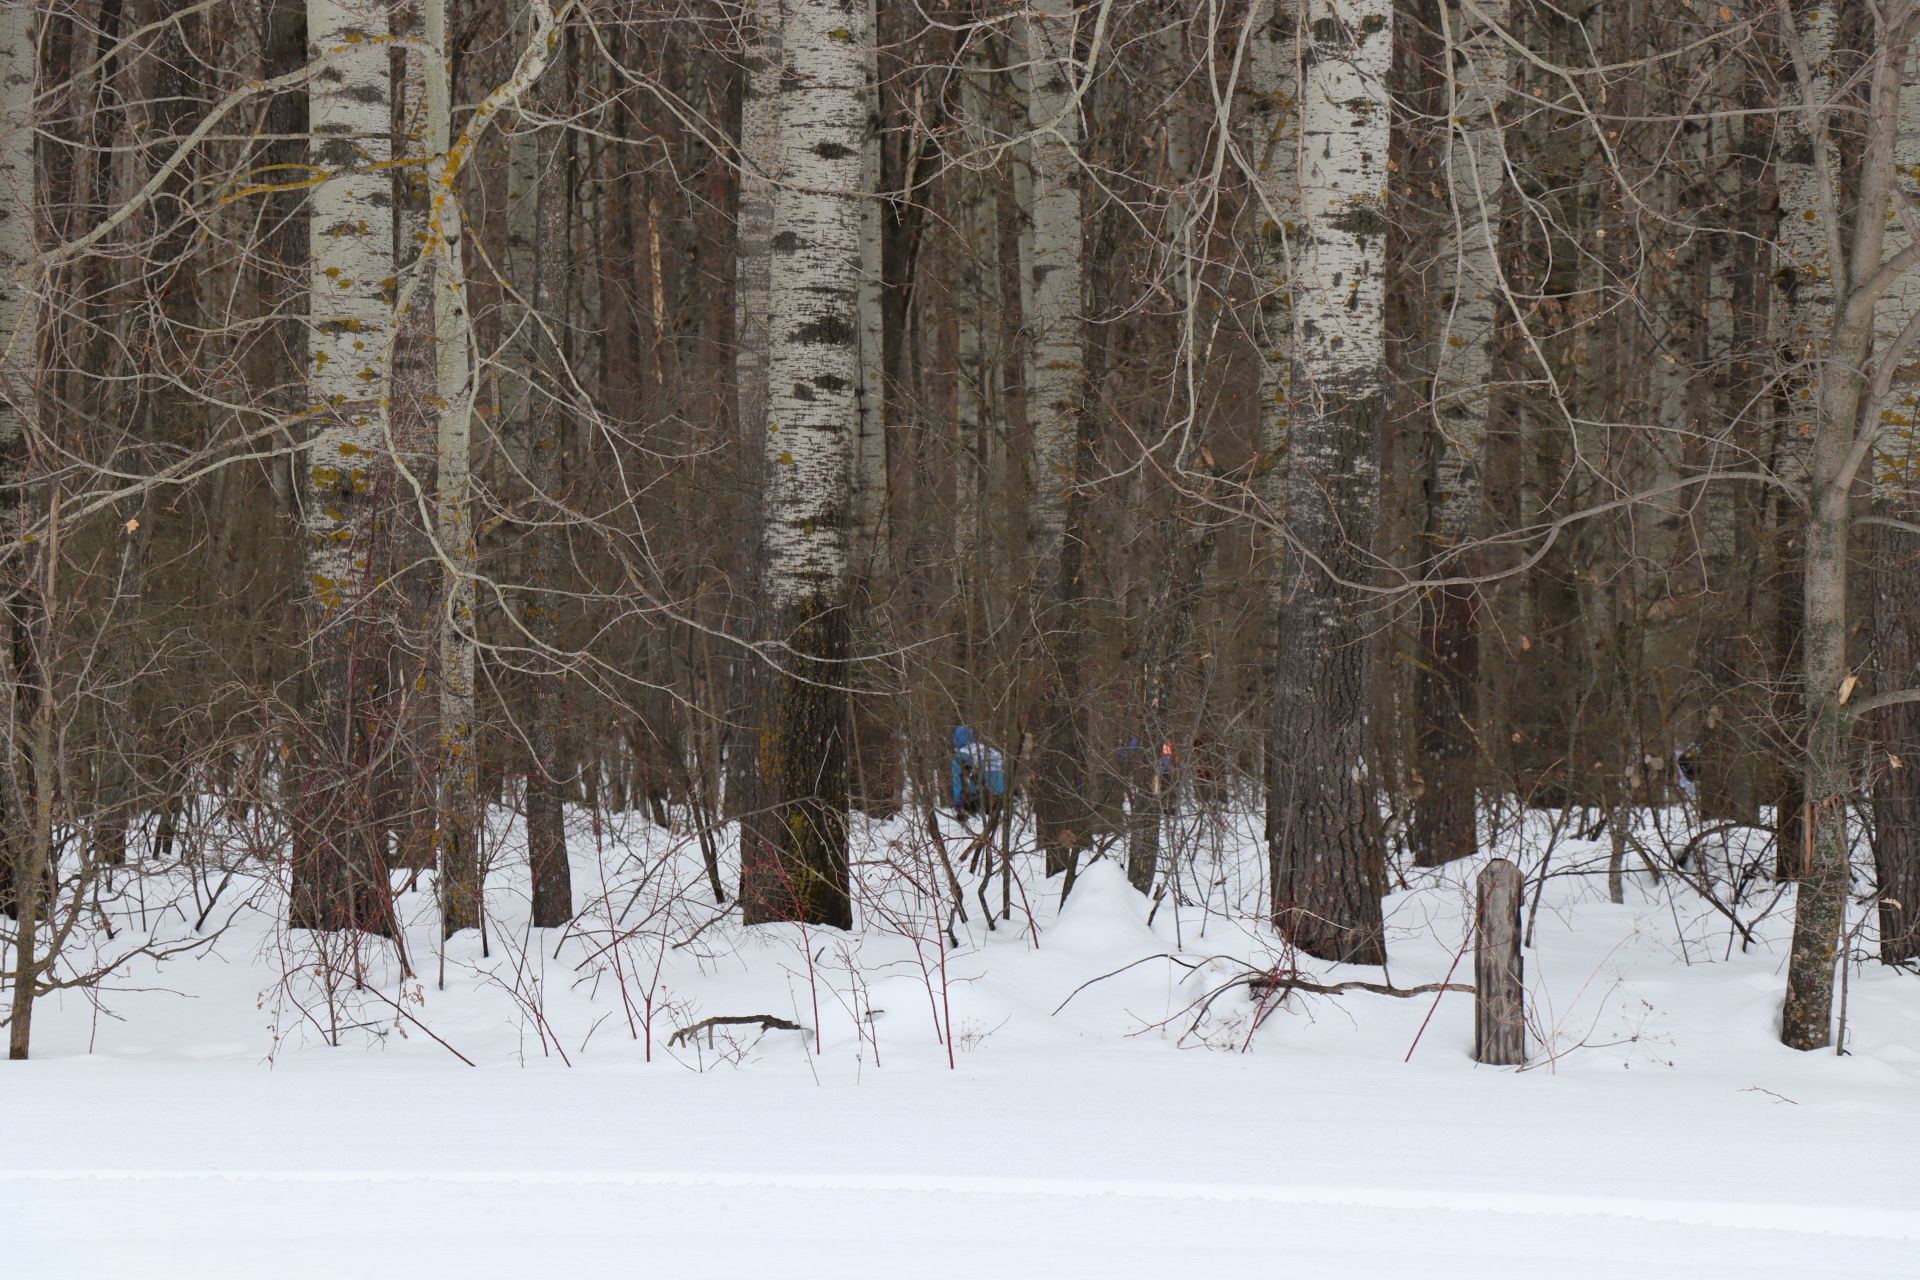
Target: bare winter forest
[
  {"x": 1127, "y": 638},
  {"x": 1045, "y": 432}
]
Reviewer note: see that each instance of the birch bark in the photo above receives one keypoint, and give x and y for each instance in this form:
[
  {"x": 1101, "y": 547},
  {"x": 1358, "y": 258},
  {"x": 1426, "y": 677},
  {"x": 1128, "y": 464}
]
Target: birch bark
[
  {"x": 458, "y": 821},
  {"x": 1051, "y": 272},
  {"x": 794, "y": 854},
  {"x": 1327, "y": 869},
  {"x": 339, "y": 876},
  {"x": 462, "y": 870}
]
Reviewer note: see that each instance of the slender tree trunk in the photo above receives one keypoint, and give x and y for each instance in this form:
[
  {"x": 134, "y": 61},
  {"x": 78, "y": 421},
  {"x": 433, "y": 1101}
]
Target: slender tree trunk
[
  {"x": 794, "y": 850},
  {"x": 1895, "y": 766},
  {"x": 20, "y": 297},
  {"x": 870, "y": 467},
  {"x": 546, "y": 289},
  {"x": 1893, "y": 589},
  {"x": 758, "y": 164},
  {"x": 1808, "y": 168},
  {"x": 458, "y": 823},
  {"x": 1056, "y": 406},
  {"x": 979, "y": 443},
  {"x": 1326, "y": 861},
  {"x": 1443, "y": 824}
]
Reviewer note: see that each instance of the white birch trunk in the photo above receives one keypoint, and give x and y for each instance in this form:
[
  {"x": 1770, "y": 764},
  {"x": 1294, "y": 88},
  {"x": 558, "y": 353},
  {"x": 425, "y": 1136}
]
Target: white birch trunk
[
  {"x": 794, "y": 863},
  {"x": 458, "y": 819},
  {"x": 461, "y": 867},
  {"x": 339, "y": 880},
  {"x": 1327, "y": 870},
  {"x": 813, "y": 358},
  {"x": 351, "y": 318}
]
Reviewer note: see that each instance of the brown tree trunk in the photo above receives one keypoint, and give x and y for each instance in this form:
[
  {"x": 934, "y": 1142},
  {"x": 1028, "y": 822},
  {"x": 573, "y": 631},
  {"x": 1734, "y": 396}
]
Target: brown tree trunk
[{"x": 1895, "y": 731}]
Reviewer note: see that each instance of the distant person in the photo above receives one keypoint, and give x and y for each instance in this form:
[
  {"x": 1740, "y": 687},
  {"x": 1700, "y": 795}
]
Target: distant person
[
  {"x": 977, "y": 776},
  {"x": 1686, "y": 771}
]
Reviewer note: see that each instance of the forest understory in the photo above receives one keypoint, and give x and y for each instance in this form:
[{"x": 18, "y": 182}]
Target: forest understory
[{"x": 951, "y": 1092}]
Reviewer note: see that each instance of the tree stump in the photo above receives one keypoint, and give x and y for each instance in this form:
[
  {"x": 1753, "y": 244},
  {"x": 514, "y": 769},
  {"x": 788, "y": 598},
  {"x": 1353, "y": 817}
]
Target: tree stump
[{"x": 1499, "y": 1002}]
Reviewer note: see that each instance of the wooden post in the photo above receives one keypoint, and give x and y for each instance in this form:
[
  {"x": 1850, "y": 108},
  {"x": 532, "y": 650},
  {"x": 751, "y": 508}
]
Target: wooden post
[{"x": 1499, "y": 1001}]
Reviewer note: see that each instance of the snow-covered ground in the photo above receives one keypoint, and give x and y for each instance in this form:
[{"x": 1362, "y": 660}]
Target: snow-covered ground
[{"x": 999, "y": 1107}]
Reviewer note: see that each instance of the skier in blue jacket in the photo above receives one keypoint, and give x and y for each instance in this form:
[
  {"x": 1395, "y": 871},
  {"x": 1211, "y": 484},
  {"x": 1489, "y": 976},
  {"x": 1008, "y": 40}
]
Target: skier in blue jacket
[{"x": 977, "y": 777}]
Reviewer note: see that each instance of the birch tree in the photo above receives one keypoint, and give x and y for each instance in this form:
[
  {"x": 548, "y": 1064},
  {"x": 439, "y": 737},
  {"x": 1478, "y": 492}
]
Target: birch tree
[
  {"x": 457, "y": 826},
  {"x": 1051, "y": 287},
  {"x": 339, "y": 871},
  {"x": 794, "y": 854},
  {"x": 1325, "y": 860},
  {"x": 461, "y": 866}
]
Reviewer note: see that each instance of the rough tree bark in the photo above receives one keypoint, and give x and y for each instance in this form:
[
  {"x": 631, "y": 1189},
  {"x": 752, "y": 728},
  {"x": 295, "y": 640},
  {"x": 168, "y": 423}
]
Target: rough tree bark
[
  {"x": 1893, "y": 586},
  {"x": 1326, "y": 864},
  {"x": 1851, "y": 380},
  {"x": 20, "y": 295},
  {"x": 1807, "y": 169},
  {"x": 536, "y": 264},
  {"x": 794, "y": 846},
  {"x": 1443, "y": 824},
  {"x": 757, "y": 164}
]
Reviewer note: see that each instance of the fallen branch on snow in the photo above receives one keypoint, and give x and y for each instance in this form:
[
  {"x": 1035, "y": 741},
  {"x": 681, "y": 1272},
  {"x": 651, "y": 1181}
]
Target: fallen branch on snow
[
  {"x": 765, "y": 1021},
  {"x": 1264, "y": 984}
]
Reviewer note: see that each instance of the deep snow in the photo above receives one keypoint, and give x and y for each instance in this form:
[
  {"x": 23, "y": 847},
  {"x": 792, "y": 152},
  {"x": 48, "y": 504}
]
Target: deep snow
[{"x": 194, "y": 1121}]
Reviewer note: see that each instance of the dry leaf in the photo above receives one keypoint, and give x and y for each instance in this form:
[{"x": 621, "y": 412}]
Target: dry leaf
[{"x": 1847, "y": 687}]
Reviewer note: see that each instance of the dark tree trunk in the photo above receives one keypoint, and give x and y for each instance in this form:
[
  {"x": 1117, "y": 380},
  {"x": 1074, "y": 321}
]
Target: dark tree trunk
[
  {"x": 1895, "y": 731},
  {"x": 793, "y": 854},
  {"x": 1327, "y": 871},
  {"x": 1444, "y": 826}
]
